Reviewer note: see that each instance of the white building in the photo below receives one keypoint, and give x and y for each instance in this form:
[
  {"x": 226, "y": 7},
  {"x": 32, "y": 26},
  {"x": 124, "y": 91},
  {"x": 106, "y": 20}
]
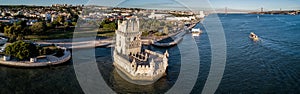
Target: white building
[
  {"x": 181, "y": 18},
  {"x": 201, "y": 14},
  {"x": 153, "y": 15}
]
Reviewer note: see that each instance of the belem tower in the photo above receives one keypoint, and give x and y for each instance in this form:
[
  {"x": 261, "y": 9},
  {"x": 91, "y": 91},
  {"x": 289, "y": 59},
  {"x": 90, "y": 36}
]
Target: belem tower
[{"x": 129, "y": 57}]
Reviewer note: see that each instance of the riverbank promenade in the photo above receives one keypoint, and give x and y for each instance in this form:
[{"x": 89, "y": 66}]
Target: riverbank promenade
[{"x": 47, "y": 60}]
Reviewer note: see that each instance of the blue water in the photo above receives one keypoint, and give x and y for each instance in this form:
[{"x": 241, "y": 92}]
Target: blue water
[{"x": 271, "y": 65}]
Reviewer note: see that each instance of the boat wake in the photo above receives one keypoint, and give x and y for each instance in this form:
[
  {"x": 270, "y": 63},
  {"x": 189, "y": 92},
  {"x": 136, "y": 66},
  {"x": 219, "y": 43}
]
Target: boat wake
[
  {"x": 289, "y": 23},
  {"x": 281, "y": 47}
]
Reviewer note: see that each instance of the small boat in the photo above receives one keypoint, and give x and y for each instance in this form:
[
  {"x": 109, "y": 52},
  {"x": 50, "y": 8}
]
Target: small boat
[
  {"x": 196, "y": 32},
  {"x": 253, "y": 37}
]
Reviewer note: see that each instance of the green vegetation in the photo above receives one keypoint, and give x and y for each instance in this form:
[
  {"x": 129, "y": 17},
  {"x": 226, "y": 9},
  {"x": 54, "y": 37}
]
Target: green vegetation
[
  {"x": 107, "y": 28},
  {"x": 59, "y": 52},
  {"x": 38, "y": 27},
  {"x": 106, "y": 33},
  {"x": 64, "y": 20},
  {"x": 24, "y": 50},
  {"x": 166, "y": 30},
  {"x": 21, "y": 50},
  {"x": 108, "y": 25},
  {"x": 155, "y": 27},
  {"x": 2, "y": 27},
  {"x": 47, "y": 50},
  {"x": 180, "y": 15},
  {"x": 52, "y": 49},
  {"x": 57, "y": 29},
  {"x": 159, "y": 34},
  {"x": 150, "y": 25},
  {"x": 52, "y": 34},
  {"x": 39, "y": 30},
  {"x": 16, "y": 31}
]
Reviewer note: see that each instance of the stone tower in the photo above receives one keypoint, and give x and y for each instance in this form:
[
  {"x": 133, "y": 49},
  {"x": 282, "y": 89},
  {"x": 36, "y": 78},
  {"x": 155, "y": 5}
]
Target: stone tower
[{"x": 128, "y": 39}]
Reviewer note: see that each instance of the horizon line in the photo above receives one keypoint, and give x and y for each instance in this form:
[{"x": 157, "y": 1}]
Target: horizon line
[{"x": 215, "y": 8}]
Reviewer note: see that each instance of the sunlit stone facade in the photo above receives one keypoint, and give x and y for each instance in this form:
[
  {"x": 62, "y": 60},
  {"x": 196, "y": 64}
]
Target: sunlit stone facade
[{"x": 134, "y": 62}]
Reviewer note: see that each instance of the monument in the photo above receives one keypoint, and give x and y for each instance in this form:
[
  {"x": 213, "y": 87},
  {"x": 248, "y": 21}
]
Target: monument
[{"x": 129, "y": 57}]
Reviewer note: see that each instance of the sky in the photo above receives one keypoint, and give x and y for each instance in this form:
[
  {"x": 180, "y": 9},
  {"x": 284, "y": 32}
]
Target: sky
[{"x": 172, "y": 4}]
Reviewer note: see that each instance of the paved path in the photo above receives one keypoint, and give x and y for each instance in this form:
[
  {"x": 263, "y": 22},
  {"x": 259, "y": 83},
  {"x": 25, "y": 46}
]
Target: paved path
[
  {"x": 50, "y": 60},
  {"x": 79, "y": 43}
]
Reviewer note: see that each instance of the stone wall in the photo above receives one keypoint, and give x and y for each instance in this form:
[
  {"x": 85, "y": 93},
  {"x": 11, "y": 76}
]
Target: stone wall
[
  {"x": 140, "y": 77},
  {"x": 141, "y": 72},
  {"x": 60, "y": 60}
]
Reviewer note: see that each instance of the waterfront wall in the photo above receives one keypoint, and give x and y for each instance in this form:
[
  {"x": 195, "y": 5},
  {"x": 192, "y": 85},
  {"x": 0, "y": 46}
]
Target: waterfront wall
[
  {"x": 154, "y": 53},
  {"x": 60, "y": 60},
  {"x": 139, "y": 77},
  {"x": 178, "y": 37},
  {"x": 134, "y": 71}
]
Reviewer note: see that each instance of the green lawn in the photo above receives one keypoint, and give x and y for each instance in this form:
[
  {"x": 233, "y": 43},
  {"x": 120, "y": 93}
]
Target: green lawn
[
  {"x": 106, "y": 34},
  {"x": 69, "y": 34}
]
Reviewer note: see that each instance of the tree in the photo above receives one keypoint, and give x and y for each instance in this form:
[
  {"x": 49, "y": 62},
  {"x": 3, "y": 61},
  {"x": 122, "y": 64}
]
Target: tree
[
  {"x": 60, "y": 19},
  {"x": 46, "y": 51},
  {"x": 67, "y": 25},
  {"x": 166, "y": 30},
  {"x": 49, "y": 25},
  {"x": 38, "y": 27},
  {"x": 1, "y": 27},
  {"x": 14, "y": 32},
  {"x": 106, "y": 24},
  {"x": 110, "y": 26},
  {"x": 74, "y": 23},
  {"x": 22, "y": 23},
  {"x": 21, "y": 50},
  {"x": 74, "y": 19},
  {"x": 59, "y": 52},
  {"x": 55, "y": 23},
  {"x": 8, "y": 31}
]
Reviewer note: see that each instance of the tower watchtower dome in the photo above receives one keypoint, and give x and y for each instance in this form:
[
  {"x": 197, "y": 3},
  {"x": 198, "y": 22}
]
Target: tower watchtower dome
[{"x": 128, "y": 39}]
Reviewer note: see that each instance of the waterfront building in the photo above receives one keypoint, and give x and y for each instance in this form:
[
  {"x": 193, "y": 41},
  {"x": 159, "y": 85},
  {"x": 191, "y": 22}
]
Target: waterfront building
[
  {"x": 201, "y": 14},
  {"x": 181, "y": 18},
  {"x": 130, "y": 59},
  {"x": 154, "y": 15}
]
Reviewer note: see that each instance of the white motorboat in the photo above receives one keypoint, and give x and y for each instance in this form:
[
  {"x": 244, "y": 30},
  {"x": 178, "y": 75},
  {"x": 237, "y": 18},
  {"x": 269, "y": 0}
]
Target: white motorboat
[
  {"x": 253, "y": 36},
  {"x": 196, "y": 31}
]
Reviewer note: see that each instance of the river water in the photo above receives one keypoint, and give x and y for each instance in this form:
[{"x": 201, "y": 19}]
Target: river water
[{"x": 271, "y": 65}]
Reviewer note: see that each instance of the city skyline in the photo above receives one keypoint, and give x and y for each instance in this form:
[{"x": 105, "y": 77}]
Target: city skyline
[{"x": 268, "y": 5}]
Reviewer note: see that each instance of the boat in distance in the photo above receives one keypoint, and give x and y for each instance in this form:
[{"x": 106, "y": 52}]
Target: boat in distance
[
  {"x": 253, "y": 36},
  {"x": 196, "y": 31}
]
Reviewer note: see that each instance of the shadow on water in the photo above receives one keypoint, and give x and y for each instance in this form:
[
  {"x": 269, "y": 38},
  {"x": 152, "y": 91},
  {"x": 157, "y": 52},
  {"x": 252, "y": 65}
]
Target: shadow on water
[{"x": 56, "y": 79}]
